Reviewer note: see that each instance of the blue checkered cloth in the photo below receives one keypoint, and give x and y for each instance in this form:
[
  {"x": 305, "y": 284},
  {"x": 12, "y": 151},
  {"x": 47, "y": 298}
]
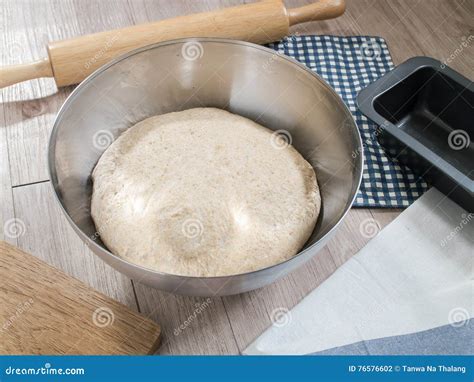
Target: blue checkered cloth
[{"x": 349, "y": 64}]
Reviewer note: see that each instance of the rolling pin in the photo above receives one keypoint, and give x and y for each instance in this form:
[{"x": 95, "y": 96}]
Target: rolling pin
[{"x": 70, "y": 61}]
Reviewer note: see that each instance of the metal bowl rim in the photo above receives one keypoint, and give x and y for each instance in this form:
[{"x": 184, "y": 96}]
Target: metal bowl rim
[{"x": 76, "y": 92}]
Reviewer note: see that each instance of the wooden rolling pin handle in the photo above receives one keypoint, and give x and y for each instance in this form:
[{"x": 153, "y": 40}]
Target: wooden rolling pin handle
[
  {"x": 322, "y": 10},
  {"x": 17, "y": 73},
  {"x": 70, "y": 61}
]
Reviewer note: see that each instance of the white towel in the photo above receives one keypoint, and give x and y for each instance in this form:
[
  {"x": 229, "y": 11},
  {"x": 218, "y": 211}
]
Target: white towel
[{"x": 415, "y": 275}]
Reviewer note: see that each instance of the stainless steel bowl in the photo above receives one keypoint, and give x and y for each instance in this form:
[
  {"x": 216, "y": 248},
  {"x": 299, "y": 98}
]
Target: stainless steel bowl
[{"x": 243, "y": 78}]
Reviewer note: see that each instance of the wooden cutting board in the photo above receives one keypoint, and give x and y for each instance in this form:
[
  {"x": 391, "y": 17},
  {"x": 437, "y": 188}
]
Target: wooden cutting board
[{"x": 45, "y": 311}]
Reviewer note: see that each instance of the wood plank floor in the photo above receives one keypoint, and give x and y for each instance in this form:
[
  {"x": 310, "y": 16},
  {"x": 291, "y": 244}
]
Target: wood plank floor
[{"x": 227, "y": 325}]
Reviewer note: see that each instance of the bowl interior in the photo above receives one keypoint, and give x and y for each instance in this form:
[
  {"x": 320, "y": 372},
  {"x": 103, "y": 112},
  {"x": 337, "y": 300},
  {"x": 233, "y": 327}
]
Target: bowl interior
[{"x": 242, "y": 78}]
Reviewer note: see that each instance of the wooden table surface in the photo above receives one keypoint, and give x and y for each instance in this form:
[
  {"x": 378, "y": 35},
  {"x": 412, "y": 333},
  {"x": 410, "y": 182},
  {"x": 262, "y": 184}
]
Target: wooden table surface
[{"x": 227, "y": 325}]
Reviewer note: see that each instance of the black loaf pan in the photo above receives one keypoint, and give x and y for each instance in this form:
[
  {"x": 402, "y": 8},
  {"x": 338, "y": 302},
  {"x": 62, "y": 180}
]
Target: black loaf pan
[{"x": 425, "y": 113}]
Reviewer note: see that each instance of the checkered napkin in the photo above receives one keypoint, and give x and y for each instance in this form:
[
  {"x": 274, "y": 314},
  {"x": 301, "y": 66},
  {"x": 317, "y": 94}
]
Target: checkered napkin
[{"x": 349, "y": 64}]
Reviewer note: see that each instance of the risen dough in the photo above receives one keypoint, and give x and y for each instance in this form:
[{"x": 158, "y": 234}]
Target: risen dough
[{"x": 203, "y": 192}]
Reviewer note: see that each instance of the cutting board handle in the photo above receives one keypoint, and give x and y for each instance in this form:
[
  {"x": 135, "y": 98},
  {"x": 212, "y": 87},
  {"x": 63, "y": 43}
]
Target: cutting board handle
[{"x": 322, "y": 10}]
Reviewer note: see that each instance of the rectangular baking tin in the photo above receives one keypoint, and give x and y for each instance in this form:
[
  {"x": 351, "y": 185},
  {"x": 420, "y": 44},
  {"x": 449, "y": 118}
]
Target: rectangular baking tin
[{"x": 425, "y": 111}]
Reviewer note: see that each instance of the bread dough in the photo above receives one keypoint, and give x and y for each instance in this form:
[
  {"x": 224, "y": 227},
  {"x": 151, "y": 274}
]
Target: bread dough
[{"x": 203, "y": 192}]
